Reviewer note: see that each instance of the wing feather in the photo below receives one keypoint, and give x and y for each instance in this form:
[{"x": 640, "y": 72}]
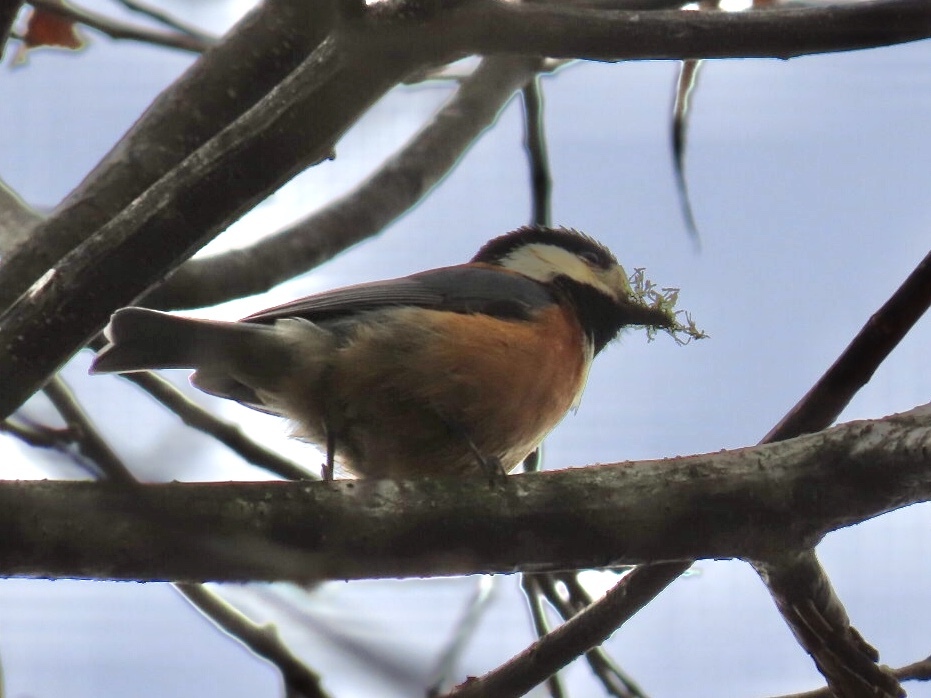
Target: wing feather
[{"x": 461, "y": 289}]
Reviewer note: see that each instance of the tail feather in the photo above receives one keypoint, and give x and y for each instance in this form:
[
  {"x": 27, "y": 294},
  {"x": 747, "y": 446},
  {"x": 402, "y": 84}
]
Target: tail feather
[{"x": 142, "y": 339}]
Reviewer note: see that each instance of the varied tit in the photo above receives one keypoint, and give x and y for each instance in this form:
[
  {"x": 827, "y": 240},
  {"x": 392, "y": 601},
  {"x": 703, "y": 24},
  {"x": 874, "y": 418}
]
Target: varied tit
[{"x": 436, "y": 373}]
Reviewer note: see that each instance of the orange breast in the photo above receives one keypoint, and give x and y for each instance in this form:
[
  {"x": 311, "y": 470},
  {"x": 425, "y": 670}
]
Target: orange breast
[{"x": 407, "y": 390}]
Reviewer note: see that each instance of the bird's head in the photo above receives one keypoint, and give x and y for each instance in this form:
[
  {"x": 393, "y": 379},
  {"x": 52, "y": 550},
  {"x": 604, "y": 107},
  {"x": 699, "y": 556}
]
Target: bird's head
[{"x": 581, "y": 271}]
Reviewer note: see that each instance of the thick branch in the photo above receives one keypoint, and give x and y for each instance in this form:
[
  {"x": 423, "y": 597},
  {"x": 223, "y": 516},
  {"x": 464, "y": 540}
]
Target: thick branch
[
  {"x": 8, "y": 12},
  {"x": 399, "y": 184},
  {"x": 200, "y": 197},
  {"x": 263, "y": 48},
  {"x": 559, "y": 30},
  {"x": 752, "y": 503}
]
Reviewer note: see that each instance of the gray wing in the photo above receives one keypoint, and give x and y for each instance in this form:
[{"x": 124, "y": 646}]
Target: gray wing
[{"x": 459, "y": 289}]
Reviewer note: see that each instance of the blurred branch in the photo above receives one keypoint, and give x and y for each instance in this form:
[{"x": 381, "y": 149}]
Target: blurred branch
[
  {"x": 681, "y": 113},
  {"x": 83, "y": 432},
  {"x": 116, "y": 29},
  {"x": 8, "y": 13},
  {"x": 462, "y": 633},
  {"x": 741, "y": 503},
  {"x": 260, "y": 51},
  {"x": 588, "y": 629},
  {"x": 168, "y": 20},
  {"x": 532, "y": 586},
  {"x": 561, "y": 30},
  {"x": 262, "y": 640},
  {"x": 919, "y": 671},
  {"x": 541, "y": 181},
  {"x": 37, "y": 435},
  {"x": 614, "y": 680},
  {"x": 228, "y": 434},
  {"x": 17, "y": 219},
  {"x": 188, "y": 207},
  {"x": 398, "y": 185}
]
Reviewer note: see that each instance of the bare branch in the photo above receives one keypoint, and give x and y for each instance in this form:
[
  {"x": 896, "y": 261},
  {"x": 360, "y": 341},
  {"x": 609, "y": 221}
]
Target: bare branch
[
  {"x": 541, "y": 181},
  {"x": 918, "y": 671},
  {"x": 262, "y": 640},
  {"x": 257, "y": 54},
  {"x": 560, "y": 30},
  {"x": 8, "y": 12},
  {"x": 398, "y": 185},
  {"x": 862, "y": 357},
  {"x": 91, "y": 444},
  {"x": 168, "y": 20},
  {"x": 228, "y": 434},
  {"x": 172, "y": 219},
  {"x": 744, "y": 503},
  {"x": 854, "y": 368},
  {"x": 807, "y": 601},
  {"x": 588, "y": 629},
  {"x": 121, "y": 30},
  {"x": 17, "y": 219}
]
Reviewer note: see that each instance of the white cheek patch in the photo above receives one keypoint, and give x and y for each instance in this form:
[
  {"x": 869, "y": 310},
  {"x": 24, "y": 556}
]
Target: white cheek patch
[{"x": 545, "y": 262}]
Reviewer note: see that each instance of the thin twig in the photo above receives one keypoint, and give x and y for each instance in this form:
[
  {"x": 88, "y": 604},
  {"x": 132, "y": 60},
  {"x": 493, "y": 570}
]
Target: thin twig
[
  {"x": 262, "y": 640},
  {"x": 535, "y": 594},
  {"x": 168, "y": 20},
  {"x": 919, "y": 671},
  {"x": 588, "y": 629},
  {"x": 541, "y": 181},
  {"x": 856, "y": 365},
  {"x": 89, "y": 441},
  {"x": 615, "y": 680},
  {"x": 229, "y": 434},
  {"x": 681, "y": 111},
  {"x": 462, "y": 633},
  {"x": 121, "y": 30},
  {"x": 37, "y": 435}
]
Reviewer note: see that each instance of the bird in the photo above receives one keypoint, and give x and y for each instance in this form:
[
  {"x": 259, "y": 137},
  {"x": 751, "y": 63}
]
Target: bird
[{"x": 453, "y": 371}]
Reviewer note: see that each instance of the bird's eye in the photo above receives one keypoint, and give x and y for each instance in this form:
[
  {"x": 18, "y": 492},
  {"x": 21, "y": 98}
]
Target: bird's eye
[{"x": 591, "y": 257}]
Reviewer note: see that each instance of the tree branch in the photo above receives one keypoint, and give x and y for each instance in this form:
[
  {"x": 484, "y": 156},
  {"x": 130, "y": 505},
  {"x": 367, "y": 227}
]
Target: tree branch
[
  {"x": 918, "y": 671},
  {"x": 227, "y": 433},
  {"x": 398, "y": 185},
  {"x": 261, "y": 640},
  {"x": 17, "y": 219},
  {"x": 257, "y": 54},
  {"x": 8, "y": 12},
  {"x": 200, "y": 197},
  {"x": 559, "y": 30},
  {"x": 754, "y": 503},
  {"x": 859, "y": 361},
  {"x": 122, "y": 30}
]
